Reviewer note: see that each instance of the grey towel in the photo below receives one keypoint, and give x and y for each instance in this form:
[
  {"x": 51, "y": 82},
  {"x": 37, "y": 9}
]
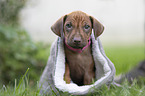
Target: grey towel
[{"x": 52, "y": 77}]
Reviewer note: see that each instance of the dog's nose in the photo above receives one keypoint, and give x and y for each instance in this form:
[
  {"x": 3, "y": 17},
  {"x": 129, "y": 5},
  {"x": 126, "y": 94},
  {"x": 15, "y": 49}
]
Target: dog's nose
[{"x": 77, "y": 40}]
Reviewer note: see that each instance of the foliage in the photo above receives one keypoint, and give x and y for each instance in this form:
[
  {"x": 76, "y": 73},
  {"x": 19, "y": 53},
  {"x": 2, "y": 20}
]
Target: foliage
[
  {"x": 23, "y": 89},
  {"x": 9, "y": 10},
  {"x": 18, "y": 52}
]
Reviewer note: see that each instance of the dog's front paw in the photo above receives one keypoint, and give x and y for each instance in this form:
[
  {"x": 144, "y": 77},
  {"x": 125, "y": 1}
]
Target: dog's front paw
[
  {"x": 67, "y": 74},
  {"x": 67, "y": 80}
]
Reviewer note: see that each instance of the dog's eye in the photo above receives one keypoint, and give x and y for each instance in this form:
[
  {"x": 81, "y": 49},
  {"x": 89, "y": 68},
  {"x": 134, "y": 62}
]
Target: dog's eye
[
  {"x": 69, "y": 25},
  {"x": 86, "y": 26}
]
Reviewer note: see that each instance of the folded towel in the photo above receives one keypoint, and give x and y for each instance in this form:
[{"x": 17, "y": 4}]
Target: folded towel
[{"x": 52, "y": 79}]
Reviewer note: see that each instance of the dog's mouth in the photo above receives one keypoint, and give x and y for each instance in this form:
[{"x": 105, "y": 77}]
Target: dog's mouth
[{"x": 76, "y": 46}]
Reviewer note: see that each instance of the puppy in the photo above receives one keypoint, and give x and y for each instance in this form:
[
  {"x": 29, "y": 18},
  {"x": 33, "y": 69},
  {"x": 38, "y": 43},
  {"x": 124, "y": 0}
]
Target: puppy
[{"x": 76, "y": 29}]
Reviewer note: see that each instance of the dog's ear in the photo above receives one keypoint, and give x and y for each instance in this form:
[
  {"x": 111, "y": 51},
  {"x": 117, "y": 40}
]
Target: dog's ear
[
  {"x": 57, "y": 27},
  {"x": 97, "y": 27}
]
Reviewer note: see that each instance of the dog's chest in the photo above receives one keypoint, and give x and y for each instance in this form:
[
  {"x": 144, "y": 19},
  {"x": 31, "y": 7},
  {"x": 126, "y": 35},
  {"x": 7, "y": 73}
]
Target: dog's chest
[
  {"x": 82, "y": 62},
  {"x": 79, "y": 66}
]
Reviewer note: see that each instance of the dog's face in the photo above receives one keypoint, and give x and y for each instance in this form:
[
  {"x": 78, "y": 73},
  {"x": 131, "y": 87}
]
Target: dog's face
[
  {"x": 77, "y": 30},
  {"x": 77, "y": 27}
]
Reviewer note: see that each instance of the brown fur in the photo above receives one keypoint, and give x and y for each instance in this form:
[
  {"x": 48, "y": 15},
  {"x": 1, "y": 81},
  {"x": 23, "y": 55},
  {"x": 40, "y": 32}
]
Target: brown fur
[
  {"x": 77, "y": 28},
  {"x": 81, "y": 66}
]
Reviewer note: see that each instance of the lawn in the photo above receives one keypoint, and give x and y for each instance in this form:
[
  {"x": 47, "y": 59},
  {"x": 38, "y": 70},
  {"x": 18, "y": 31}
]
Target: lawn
[{"x": 123, "y": 57}]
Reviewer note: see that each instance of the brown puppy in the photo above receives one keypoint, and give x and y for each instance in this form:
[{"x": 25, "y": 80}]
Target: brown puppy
[{"x": 76, "y": 28}]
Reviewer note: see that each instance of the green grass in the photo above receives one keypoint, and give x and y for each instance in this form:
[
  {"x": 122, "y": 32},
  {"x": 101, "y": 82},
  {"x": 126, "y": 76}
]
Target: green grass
[
  {"x": 124, "y": 58},
  {"x": 20, "y": 88}
]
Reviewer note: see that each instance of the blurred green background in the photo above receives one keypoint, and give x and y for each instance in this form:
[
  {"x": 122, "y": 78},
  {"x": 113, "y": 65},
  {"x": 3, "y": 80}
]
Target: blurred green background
[{"x": 19, "y": 52}]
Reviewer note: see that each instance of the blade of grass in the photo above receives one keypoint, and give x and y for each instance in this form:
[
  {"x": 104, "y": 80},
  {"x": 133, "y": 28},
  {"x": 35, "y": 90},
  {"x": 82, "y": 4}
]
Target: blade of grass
[{"x": 22, "y": 79}]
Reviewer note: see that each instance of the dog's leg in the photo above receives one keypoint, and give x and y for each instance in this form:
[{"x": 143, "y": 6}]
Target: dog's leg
[
  {"x": 67, "y": 74},
  {"x": 89, "y": 78}
]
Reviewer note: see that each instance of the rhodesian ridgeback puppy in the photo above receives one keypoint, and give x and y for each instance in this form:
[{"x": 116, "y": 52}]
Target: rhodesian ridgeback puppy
[{"x": 76, "y": 29}]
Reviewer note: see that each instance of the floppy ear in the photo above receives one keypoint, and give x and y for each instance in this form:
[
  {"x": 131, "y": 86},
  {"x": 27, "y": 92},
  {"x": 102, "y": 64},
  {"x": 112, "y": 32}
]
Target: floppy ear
[
  {"x": 57, "y": 27},
  {"x": 97, "y": 27}
]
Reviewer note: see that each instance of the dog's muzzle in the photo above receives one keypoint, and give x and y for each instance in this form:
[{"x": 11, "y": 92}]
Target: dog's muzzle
[{"x": 79, "y": 50}]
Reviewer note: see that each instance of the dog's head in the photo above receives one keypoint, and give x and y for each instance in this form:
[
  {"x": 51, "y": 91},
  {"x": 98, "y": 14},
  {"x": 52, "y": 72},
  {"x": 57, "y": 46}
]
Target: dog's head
[{"x": 77, "y": 28}]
